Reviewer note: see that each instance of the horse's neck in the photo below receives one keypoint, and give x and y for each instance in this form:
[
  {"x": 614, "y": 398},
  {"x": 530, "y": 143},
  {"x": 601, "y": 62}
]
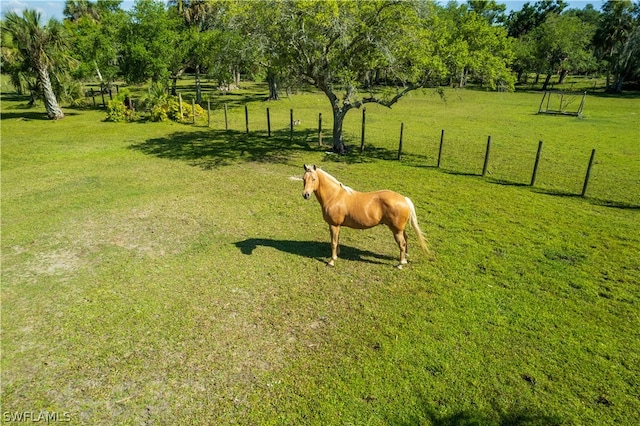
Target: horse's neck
[{"x": 328, "y": 187}]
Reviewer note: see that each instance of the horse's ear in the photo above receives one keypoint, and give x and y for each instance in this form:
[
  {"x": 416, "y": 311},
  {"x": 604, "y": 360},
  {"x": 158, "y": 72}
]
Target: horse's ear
[
  {"x": 306, "y": 169},
  {"x": 314, "y": 167}
]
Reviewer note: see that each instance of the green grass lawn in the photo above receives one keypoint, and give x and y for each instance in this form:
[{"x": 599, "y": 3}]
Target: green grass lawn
[{"x": 159, "y": 273}]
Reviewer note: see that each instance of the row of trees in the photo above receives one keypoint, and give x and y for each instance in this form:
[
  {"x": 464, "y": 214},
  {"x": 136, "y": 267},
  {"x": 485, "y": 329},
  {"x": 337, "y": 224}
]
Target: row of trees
[{"x": 354, "y": 52}]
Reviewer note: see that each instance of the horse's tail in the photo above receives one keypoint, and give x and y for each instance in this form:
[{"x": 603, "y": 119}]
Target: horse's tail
[{"x": 414, "y": 223}]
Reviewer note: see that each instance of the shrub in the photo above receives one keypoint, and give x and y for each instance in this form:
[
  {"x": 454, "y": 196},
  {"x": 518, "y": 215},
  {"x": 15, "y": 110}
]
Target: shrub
[{"x": 118, "y": 112}]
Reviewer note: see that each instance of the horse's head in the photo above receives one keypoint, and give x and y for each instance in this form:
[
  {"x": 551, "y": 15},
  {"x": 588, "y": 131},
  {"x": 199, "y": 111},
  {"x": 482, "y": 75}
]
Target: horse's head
[{"x": 310, "y": 180}]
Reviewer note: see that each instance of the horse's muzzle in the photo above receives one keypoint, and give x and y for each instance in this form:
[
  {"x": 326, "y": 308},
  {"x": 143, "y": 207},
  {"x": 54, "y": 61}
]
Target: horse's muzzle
[{"x": 306, "y": 195}]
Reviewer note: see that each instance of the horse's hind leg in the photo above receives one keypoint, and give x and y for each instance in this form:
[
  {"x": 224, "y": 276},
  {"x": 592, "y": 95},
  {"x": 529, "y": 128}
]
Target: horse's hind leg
[
  {"x": 406, "y": 243},
  {"x": 401, "y": 239}
]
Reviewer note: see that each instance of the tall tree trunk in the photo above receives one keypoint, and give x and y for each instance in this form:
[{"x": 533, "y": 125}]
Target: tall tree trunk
[
  {"x": 198, "y": 87},
  {"x": 563, "y": 74},
  {"x": 54, "y": 112},
  {"x": 618, "y": 84},
  {"x": 338, "y": 119},
  {"x": 546, "y": 82},
  {"x": 273, "y": 86},
  {"x": 236, "y": 76},
  {"x": 174, "y": 81}
]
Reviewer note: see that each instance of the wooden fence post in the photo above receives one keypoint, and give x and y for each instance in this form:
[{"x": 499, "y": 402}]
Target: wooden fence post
[
  {"x": 246, "y": 117},
  {"x": 364, "y": 111},
  {"x": 586, "y": 178},
  {"x": 320, "y": 129},
  {"x": 193, "y": 110},
  {"x": 268, "y": 123},
  {"x": 226, "y": 121},
  {"x": 440, "y": 149},
  {"x": 486, "y": 157},
  {"x": 180, "y": 105},
  {"x": 535, "y": 165},
  {"x": 400, "y": 144},
  {"x": 291, "y": 125},
  {"x": 104, "y": 104}
]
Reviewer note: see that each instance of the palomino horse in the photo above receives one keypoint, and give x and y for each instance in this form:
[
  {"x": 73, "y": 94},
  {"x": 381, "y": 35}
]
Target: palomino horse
[{"x": 342, "y": 206}]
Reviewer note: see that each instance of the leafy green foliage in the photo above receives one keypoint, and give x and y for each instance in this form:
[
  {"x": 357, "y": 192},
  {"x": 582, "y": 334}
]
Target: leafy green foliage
[{"x": 118, "y": 111}]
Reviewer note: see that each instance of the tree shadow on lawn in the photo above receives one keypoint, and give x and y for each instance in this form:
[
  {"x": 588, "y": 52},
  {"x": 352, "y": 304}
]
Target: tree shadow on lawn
[
  {"x": 210, "y": 149},
  {"x": 312, "y": 250},
  {"x": 372, "y": 153}
]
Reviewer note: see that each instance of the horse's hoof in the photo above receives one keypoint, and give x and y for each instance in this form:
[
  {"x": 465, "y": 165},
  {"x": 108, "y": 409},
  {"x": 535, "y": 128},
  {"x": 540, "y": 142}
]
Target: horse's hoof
[
  {"x": 330, "y": 264},
  {"x": 400, "y": 265}
]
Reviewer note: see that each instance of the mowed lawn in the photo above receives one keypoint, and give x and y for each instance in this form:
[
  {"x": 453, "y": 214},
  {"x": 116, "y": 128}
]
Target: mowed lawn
[{"x": 161, "y": 273}]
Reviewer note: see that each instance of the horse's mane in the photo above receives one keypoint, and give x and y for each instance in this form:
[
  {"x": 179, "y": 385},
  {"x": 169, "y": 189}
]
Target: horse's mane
[{"x": 337, "y": 182}]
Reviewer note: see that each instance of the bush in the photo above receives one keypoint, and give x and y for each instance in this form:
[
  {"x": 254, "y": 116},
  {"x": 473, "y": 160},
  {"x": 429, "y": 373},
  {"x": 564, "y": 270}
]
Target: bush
[
  {"x": 118, "y": 112},
  {"x": 187, "y": 111}
]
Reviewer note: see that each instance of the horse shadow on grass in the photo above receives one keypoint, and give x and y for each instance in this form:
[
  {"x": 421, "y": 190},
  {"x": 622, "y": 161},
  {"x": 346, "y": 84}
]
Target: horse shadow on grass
[
  {"x": 211, "y": 149},
  {"x": 518, "y": 417},
  {"x": 312, "y": 250}
]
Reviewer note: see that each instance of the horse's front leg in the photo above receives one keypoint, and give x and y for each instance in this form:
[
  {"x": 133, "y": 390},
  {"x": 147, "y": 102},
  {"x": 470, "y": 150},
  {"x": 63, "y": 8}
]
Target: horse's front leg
[{"x": 335, "y": 233}]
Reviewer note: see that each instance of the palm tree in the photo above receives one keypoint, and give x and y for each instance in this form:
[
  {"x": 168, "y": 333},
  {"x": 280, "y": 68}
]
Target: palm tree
[
  {"x": 38, "y": 46},
  {"x": 76, "y": 9}
]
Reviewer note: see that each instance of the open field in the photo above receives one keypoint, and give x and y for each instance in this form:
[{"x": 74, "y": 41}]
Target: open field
[{"x": 160, "y": 273}]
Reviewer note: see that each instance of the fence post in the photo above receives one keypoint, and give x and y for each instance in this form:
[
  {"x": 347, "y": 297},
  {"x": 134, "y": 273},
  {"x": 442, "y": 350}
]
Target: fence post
[
  {"x": 291, "y": 125},
  {"x": 440, "y": 150},
  {"x": 246, "y": 117},
  {"x": 193, "y": 110},
  {"x": 535, "y": 165},
  {"x": 208, "y": 113},
  {"x": 268, "y": 123},
  {"x": 104, "y": 104},
  {"x": 364, "y": 111},
  {"x": 586, "y": 178},
  {"x": 226, "y": 121},
  {"x": 400, "y": 144},
  {"x": 486, "y": 157},
  {"x": 320, "y": 129}
]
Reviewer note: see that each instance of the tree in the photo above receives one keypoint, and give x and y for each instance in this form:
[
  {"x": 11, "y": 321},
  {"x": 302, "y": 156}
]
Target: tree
[
  {"x": 530, "y": 17},
  {"x": 76, "y": 9},
  {"x": 40, "y": 49},
  {"x": 562, "y": 45},
  {"x": 617, "y": 24},
  {"x": 147, "y": 42},
  {"x": 332, "y": 44},
  {"x": 489, "y": 10},
  {"x": 209, "y": 41},
  {"x": 474, "y": 48},
  {"x": 94, "y": 29}
]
